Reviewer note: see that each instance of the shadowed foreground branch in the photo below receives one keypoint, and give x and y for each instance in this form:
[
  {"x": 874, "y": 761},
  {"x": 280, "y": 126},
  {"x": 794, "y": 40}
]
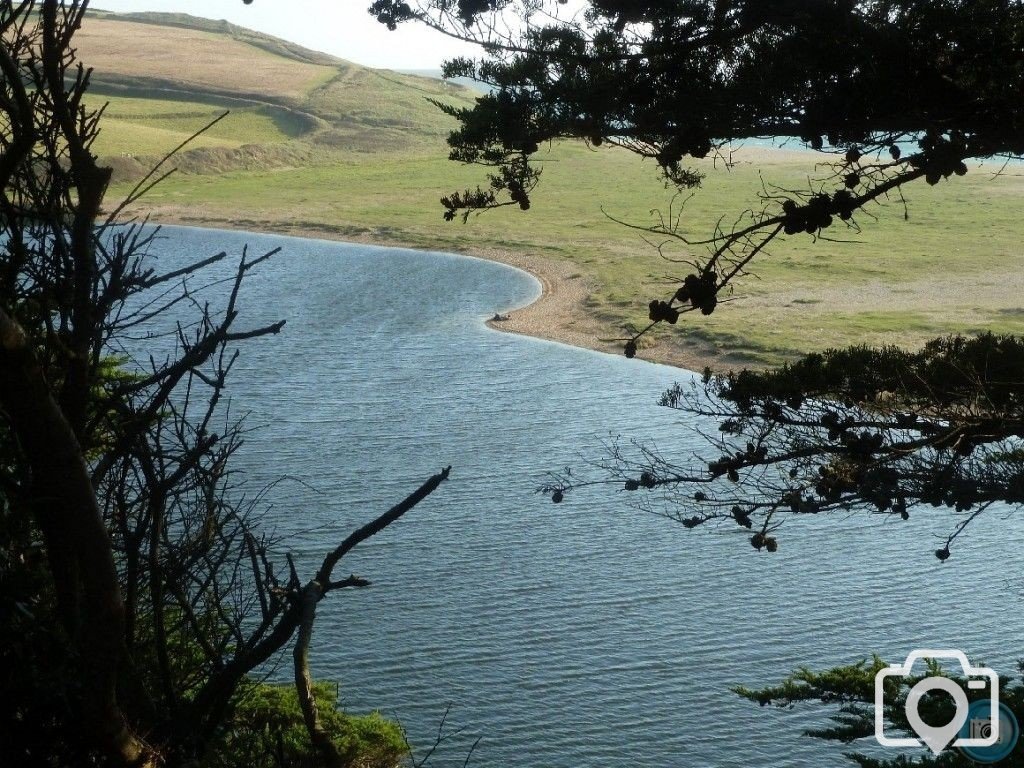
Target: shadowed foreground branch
[{"x": 137, "y": 593}]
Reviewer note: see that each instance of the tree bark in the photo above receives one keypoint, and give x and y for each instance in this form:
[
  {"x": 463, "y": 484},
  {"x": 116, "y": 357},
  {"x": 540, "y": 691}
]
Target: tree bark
[
  {"x": 304, "y": 680},
  {"x": 79, "y": 547}
]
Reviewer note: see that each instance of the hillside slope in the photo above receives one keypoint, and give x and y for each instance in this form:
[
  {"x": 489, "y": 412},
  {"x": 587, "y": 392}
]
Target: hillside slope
[
  {"x": 167, "y": 75},
  {"x": 275, "y": 45}
]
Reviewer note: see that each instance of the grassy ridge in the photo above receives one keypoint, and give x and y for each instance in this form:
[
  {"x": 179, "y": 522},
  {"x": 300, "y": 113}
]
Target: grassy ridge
[
  {"x": 372, "y": 165},
  {"x": 276, "y": 91}
]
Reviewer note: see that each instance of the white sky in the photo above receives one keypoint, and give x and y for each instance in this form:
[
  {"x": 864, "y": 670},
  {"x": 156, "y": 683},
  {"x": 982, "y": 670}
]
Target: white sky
[{"x": 340, "y": 27}]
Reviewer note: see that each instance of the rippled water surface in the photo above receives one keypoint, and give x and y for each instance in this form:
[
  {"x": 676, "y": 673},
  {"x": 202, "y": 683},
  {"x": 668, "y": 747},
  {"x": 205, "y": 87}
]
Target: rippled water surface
[{"x": 572, "y": 635}]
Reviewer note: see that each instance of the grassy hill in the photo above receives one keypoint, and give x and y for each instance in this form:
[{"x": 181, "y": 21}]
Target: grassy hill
[
  {"x": 167, "y": 75},
  {"x": 315, "y": 144}
]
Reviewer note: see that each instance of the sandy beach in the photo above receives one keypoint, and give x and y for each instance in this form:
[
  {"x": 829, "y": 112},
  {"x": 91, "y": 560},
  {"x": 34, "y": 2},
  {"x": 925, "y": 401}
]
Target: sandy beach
[
  {"x": 562, "y": 312},
  {"x": 559, "y": 314}
]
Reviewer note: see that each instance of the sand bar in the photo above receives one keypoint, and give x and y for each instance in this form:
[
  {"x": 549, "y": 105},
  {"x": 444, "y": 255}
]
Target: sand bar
[{"x": 559, "y": 314}]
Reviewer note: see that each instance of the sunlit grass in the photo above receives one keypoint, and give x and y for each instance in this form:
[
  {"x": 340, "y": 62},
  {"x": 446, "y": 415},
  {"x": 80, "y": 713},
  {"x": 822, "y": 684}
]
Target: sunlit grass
[
  {"x": 155, "y": 126},
  {"x": 942, "y": 270},
  {"x": 372, "y": 163}
]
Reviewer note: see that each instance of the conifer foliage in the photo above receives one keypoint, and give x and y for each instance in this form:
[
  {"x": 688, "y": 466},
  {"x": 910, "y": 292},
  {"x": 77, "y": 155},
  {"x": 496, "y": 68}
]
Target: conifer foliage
[{"x": 893, "y": 93}]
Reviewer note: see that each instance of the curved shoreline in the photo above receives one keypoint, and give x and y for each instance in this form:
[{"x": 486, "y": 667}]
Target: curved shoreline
[{"x": 559, "y": 314}]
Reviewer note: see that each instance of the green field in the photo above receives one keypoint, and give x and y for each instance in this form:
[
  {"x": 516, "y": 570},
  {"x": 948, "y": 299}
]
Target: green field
[
  {"x": 372, "y": 165},
  {"x": 155, "y": 126}
]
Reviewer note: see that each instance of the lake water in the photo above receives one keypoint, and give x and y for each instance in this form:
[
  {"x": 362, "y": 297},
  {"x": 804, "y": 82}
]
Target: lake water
[{"x": 566, "y": 636}]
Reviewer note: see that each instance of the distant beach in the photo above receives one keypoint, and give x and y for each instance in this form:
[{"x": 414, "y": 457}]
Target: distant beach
[
  {"x": 807, "y": 293},
  {"x": 559, "y": 314}
]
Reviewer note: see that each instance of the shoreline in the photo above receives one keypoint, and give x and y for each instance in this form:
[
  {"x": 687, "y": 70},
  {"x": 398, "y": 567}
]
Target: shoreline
[{"x": 559, "y": 314}]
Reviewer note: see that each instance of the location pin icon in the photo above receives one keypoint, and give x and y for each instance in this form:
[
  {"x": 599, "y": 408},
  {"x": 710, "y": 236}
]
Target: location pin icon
[{"x": 939, "y": 738}]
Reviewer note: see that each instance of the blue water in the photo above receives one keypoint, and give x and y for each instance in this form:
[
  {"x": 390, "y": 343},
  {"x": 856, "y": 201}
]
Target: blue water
[{"x": 581, "y": 634}]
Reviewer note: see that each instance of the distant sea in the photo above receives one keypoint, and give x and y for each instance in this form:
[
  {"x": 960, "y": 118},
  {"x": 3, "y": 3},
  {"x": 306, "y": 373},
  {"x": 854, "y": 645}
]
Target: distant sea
[
  {"x": 790, "y": 143},
  {"x": 576, "y": 635}
]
